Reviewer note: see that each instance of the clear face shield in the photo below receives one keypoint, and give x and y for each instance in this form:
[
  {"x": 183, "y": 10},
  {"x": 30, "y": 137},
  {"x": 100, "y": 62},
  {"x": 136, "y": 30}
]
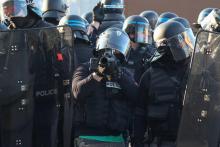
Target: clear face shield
[
  {"x": 120, "y": 46},
  {"x": 180, "y": 45},
  {"x": 212, "y": 21},
  {"x": 13, "y": 8},
  {"x": 140, "y": 32}
]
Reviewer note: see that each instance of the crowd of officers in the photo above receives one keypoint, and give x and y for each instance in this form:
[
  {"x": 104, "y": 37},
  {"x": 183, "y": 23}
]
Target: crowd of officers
[{"x": 126, "y": 83}]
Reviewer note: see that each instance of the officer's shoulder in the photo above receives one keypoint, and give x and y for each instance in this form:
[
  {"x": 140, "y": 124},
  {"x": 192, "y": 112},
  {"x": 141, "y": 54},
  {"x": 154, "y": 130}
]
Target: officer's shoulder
[
  {"x": 83, "y": 67},
  {"x": 42, "y": 23}
]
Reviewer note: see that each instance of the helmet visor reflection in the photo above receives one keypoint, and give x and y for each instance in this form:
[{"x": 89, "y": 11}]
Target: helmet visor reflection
[
  {"x": 14, "y": 9},
  {"x": 181, "y": 45}
]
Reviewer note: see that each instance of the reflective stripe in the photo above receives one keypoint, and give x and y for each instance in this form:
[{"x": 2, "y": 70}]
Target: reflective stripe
[
  {"x": 138, "y": 22},
  {"x": 76, "y": 23},
  {"x": 164, "y": 19},
  {"x": 114, "y": 6}
]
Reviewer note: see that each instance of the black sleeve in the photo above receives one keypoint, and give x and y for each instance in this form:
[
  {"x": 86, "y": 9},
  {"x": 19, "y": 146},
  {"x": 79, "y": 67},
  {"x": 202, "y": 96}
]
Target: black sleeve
[
  {"x": 82, "y": 82},
  {"x": 93, "y": 37},
  {"x": 129, "y": 86},
  {"x": 140, "y": 122}
]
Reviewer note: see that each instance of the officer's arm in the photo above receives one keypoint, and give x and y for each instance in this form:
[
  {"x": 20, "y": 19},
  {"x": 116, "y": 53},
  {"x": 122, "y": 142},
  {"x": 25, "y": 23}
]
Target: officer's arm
[
  {"x": 82, "y": 82},
  {"x": 140, "y": 122},
  {"x": 129, "y": 86}
]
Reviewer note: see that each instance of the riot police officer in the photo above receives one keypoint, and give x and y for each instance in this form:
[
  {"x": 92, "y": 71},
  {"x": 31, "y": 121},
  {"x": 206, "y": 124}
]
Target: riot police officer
[
  {"x": 140, "y": 34},
  {"x": 103, "y": 89},
  {"x": 162, "y": 87},
  {"x": 29, "y": 16},
  {"x": 30, "y": 125},
  {"x": 106, "y": 14},
  {"x": 80, "y": 53},
  {"x": 164, "y": 17},
  {"x": 82, "y": 49},
  {"x": 53, "y": 10},
  {"x": 151, "y": 16}
]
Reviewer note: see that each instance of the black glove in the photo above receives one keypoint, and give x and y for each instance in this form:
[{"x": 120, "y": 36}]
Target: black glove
[{"x": 98, "y": 13}]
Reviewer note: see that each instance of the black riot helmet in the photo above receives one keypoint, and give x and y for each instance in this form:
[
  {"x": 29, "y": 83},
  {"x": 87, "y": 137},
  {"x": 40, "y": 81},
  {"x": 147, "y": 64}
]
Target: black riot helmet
[
  {"x": 88, "y": 16},
  {"x": 77, "y": 24},
  {"x": 138, "y": 29},
  {"x": 116, "y": 40},
  {"x": 113, "y": 6},
  {"x": 186, "y": 24},
  {"x": 212, "y": 21},
  {"x": 182, "y": 20},
  {"x": 164, "y": 17},
  {"x": 53, "y": 10},
  {"x": 151, "y": 16},
  {"x": 172, "y": 38}
]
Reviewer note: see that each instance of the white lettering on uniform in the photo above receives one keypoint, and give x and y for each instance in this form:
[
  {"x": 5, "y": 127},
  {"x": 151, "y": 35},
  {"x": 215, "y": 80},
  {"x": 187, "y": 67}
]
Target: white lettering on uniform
[
  {"x": 113, "y": 85},
  {"x": 46, "y": 92}
]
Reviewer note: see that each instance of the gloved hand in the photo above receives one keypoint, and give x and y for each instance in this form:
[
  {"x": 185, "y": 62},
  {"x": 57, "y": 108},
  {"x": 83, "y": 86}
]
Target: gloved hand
[
  {"x": 99, "y": 74},
  {"x": 101, "y": 71},
  {"x": 98, "y": 13}
]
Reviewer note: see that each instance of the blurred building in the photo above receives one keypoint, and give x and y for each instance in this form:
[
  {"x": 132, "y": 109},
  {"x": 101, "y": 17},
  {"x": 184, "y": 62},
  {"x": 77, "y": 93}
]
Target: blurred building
[{"x": 186, "y": 8}]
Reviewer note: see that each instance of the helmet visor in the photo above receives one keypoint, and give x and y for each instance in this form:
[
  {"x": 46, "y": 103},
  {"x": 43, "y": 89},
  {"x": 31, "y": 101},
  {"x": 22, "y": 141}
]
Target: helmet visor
[
  {"x": 180, "y": 45},
  {"x": 119, "y": 43},
  {"x": 212, "y": 21},
  {"x": 140, "y": 33},
  {"x": 13, "y": 8}
]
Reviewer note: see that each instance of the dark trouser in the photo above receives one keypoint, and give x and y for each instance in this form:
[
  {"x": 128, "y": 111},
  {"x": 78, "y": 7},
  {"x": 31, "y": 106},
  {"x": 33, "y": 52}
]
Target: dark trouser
[
  {"x": 92, "y": 143},
  {"x": 45, "y": 124},
  {"x": 68, "y": 123}
]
